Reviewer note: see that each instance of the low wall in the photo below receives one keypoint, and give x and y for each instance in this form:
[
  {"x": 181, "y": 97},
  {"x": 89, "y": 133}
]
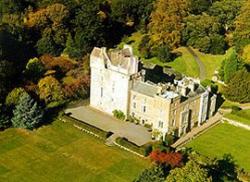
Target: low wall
[{"x": 236, "y": 123}]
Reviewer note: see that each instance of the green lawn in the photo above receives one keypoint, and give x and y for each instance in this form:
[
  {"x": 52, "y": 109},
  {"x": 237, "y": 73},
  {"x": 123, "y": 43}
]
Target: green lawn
[
  {"x": 60, "y": 152},
  {"x": 242, "y": 116},
  {"x": 225, "y": 139},
  {"x": 211, "y": 62}
]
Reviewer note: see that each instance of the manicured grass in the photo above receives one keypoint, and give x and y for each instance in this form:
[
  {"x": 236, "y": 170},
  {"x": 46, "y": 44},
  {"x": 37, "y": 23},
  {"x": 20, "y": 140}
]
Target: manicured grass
[
  {"x": 185, "y": 64},
  {"x": 211, "y": 62},
  {"x": 225, "y": 139},
  {"x": 242, "y": 116},
  {"x": 60, "y": 152}
]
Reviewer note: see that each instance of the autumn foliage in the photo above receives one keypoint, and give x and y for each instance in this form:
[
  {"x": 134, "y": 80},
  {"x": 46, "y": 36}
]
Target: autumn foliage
[
  {"x": 78, "y": 88},
  {"x": 53, "y": 63},
  {"x": 174, "y": 159}
]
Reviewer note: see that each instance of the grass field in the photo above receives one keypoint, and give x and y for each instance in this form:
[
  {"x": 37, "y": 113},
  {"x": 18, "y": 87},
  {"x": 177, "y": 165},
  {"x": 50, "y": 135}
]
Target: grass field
[
  {"x": 184, "y": 64},
  {"x": 211, "y": 62},
  {"x": 242, "y": 116},
  {"x": 59, "y": 152},
  {"x": 225, "y": 139}
]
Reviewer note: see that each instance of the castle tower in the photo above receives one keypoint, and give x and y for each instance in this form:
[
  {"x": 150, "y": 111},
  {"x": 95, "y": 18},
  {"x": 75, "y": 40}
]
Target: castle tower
[{"x": 111, "y": 78}]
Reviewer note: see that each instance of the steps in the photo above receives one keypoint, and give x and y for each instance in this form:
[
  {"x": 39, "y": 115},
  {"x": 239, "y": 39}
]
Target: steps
[{"x": 110, "y": 140}]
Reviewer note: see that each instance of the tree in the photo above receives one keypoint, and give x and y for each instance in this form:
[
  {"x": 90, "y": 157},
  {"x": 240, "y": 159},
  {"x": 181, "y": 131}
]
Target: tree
[
  {"x": 238, "y": 87},
  {"x": 90, "y": 28},
  {"x": 190, "y": 172},
  {"x": 226, "y": 11},
  {"x": 155, "y": 173},
  {"x": 14, "y": 96},
  {"x": 71, "y": 49},
  {"x": 131, "y": 13},
  {"x": 164, "y": 54},
  {"x": 34, "y": 69},
  {"x": 50, "y": 89},
  {"x": 242, "y": 27},
  {"x": 27, "y": 113},
  {"x": 166, "y": 22},
  {"x": 198, "y": 6},
  {"x": 51, "y": 22},
  {"x": 4, "y": 118},
  {"x": 205, "y": 33},
  {"x": 231, "y": 65}
]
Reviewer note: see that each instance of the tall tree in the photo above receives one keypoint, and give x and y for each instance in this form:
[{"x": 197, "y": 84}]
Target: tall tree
[
  {"x": 231, "y": 65},
  {"x": 90, "y": 27},
  {"x": 131, "y": 13},
  {"x": 238, "y": 87},
  {"x": 205, "y": 33},
  {"x": 27, "y": 113},
  {"x": 226, "y": 12},
  {"x": 242, "y": 27},
  {"x": 166, "y": 22}
]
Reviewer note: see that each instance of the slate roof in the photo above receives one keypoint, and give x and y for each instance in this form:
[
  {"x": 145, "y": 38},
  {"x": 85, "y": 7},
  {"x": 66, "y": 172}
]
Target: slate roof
[{"x": 145, "y": 88}]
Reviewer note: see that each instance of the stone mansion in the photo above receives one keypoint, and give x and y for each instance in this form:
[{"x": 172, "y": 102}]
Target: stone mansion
[{"x": 173, "y": 107}]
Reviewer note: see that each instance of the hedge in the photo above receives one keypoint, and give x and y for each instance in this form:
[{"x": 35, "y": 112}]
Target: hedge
[
  {"x": 92, "y": 129},
  {"x": 144, "y": 150}
]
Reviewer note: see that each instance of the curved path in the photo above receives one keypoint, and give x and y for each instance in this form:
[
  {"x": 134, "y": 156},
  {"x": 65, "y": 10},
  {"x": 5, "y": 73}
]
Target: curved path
[{"x": 202, "y": 67}]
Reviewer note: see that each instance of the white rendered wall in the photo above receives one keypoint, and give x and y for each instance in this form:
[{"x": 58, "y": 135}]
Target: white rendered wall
[{"x": 115, "y": 90}]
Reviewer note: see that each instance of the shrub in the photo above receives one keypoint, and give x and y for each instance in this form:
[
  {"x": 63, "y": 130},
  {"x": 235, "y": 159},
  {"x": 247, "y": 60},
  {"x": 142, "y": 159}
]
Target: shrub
[
  {"x": 34, "y": 69},
  {"x": 119, "y": 114},
  {"x": 164, "y": 54},
  {"x": 144, "y": 47},
  {"x": 205, "y": 83},
  {"x": 169, "y": 139},
  {"x": 161, "y": 146},
  {"x": 14, "y": 96},
  {"x": 235, "y": 109},
  {"x": 174, "y": 159}
]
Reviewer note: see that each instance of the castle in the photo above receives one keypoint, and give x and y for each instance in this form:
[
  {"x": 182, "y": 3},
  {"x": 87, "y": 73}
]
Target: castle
[{"x": 170, "y": 108}]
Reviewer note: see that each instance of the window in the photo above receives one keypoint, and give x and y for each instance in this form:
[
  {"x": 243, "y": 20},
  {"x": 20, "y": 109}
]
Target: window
[
  {"x": 113, "y": 87},
  {"x": 160, "y": 124},
  {"x": 144, "y": 108},
  {"x": 134, "y": 105},
  {"x": 173, "y": 122},
  {"x": 101, "y": 91}
]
